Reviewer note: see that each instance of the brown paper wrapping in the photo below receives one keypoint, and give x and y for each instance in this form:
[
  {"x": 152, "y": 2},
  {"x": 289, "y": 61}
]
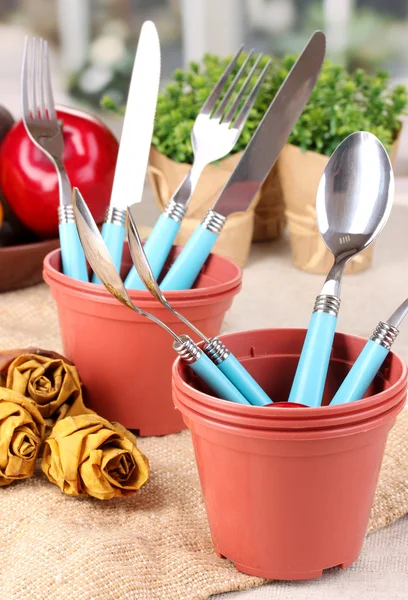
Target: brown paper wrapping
[
  {"x": 299, "y": 175},
  {"x": 235, "y": 240},
  {"x": 269, "y": 218}
]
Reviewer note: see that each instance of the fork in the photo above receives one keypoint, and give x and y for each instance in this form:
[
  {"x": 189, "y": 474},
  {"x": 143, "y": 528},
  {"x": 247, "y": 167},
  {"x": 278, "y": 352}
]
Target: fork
[
  {"x": 42, "y": 126},
  {"x": 214, "y": 134}
]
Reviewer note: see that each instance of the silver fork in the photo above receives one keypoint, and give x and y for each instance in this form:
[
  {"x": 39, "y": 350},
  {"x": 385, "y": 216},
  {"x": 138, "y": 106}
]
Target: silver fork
[
  {"x": 42, "y": 126},
  {"x": 215, "y": 132}
]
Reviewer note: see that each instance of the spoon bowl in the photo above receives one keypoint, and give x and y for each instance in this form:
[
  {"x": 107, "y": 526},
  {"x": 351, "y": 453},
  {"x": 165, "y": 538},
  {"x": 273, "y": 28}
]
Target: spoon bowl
[{"x": 355, "y": 194}]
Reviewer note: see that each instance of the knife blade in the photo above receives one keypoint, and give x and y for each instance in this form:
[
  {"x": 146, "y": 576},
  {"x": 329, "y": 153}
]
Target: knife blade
[
  {"x": 135, "y": 140},
  {"x": 255, "y": 164}
]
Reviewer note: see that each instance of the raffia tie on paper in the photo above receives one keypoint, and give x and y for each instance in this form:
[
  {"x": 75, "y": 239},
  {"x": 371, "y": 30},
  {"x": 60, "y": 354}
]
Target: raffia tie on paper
[{"x": 306, "y": 226}]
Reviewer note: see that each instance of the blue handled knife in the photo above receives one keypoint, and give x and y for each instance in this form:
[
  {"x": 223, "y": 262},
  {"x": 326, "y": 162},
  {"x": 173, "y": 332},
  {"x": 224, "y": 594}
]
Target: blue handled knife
[
  {"x": 135, "y": 140},
  {"x": 255, "y": 164}
]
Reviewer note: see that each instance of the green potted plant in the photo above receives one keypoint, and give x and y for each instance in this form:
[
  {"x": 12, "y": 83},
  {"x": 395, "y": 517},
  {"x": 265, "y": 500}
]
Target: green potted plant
[{"x": 341, "y": 103}]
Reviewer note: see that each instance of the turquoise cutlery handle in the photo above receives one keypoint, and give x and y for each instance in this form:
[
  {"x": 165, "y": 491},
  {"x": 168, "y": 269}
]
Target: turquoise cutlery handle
[
  {"x": 72, "y": 254},
  {"x": 187, "y": 266},
  {"x": 113, "y": 235},
  {"x": 311, "y": 372},
  {"x": 157, "y": 249},
  {"x": 361, "y": 374},
  {"x": 216, "y": 380},
  {"x": 243, "y": 381}
]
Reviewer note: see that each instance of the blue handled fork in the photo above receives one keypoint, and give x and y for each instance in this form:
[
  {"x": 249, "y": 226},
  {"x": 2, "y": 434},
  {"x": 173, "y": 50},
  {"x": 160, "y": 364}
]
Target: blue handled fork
[
  {"x": 42, "y": 126},
  {"x": 215, "y": 132}
]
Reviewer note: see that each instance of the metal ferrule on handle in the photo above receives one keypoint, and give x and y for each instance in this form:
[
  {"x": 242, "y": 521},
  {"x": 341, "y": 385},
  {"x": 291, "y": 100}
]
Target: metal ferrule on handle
[
  {"x": 188, "y": 350},
  {"x": 186, "y": 268},
  {"x": 207, "y": 371},
  {"x": 310, "y": 377},
  {"x": 174, "y": 210},
  {"x": 114, "y": 215},
  {"x": 159, "y": 243},
  {"x": 72, "y": 254},
  {"x": 213, "y": 221},
  {"x": 66, "y": 214},
  {"x": 236, "y": 373},
  {"x": 217, "y": 351},
  {"x": 327, "y": 304},
  {"x": 365, "y": 368},
  {"x": 385, "y": 335}
]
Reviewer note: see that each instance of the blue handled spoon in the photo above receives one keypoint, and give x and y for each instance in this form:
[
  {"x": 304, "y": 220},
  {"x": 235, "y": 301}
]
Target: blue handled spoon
[
  {"x": 353, "y": 203},
  {"x": 213, "y": 348},
  {"x": 370, "y": 358},
  {"x": 104, "y": 267}
]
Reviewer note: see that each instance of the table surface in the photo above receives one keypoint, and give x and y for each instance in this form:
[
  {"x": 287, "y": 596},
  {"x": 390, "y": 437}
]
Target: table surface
[{"x": 381, "y": 572}]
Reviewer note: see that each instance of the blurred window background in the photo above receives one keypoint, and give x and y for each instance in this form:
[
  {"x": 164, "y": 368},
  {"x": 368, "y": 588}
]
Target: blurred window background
[{"x": 94, "y": 41}]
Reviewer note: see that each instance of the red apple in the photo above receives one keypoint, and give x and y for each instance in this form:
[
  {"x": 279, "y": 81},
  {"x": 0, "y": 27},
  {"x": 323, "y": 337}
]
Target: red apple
[{"x": 29, "y": 181}]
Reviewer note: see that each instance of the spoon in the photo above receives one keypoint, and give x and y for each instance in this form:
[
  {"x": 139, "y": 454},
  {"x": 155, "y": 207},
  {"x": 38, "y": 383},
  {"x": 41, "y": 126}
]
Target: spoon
[
  {"x": 103, "y": 266},
  {"x": 353, "y": 203},
  {"x": 370, "y": 358},
  {"x": 213, "y": 347}
]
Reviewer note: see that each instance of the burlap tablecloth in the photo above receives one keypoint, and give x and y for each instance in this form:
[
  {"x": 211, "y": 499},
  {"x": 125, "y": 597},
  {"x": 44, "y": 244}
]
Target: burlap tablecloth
[{"x": 155, "y": 545}]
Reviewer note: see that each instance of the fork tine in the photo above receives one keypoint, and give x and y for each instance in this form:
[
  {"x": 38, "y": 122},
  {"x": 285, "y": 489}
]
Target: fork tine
[
  {"x": 48, "y": 87},
  {"x": 41, "y": 60},
  {"x": 228, "y": 117},
  {"x": 209, "y": 104},
  {"x": 25, "y": 101},
  {"x": 250, "y": 101},
  {"x": 220, "y": 110},
  {"x": 34, "y": 77}
]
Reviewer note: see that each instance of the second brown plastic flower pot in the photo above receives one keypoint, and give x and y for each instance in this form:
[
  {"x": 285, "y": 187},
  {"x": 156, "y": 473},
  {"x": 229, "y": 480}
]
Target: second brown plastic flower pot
[{"x": 288, "y": 491}]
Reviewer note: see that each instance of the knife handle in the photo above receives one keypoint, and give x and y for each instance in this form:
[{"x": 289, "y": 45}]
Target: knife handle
[
  {"x": 243, "y": 381},
  {"x": 72, "y": 254},
  {"x": 311, "y": 372},
  {"x": 159, "y": 243},
  {"x": 113, "y": 234},
  {"x": 187, "y": 266},
  {"x": 366, "y": 366},
  {"x": 216, "y": 380}
]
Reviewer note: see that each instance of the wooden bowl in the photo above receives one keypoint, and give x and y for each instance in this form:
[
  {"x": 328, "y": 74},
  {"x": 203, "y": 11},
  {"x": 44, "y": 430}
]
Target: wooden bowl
[{"x": 21, "y": 266}]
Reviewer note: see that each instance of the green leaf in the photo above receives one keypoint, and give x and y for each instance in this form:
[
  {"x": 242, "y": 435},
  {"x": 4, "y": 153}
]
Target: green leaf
[{"x": 340, "y": 104}]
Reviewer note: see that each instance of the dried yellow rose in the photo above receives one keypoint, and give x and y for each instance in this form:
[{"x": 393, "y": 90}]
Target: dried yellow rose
[
  {"x": 87, "y": 455},
  {"x": 21, "y": 435}
]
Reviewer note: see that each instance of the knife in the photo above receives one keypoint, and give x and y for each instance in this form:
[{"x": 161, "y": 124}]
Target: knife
[
  {"x": 135, "y": 140},
  {"x": 255, "y": 164}
]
